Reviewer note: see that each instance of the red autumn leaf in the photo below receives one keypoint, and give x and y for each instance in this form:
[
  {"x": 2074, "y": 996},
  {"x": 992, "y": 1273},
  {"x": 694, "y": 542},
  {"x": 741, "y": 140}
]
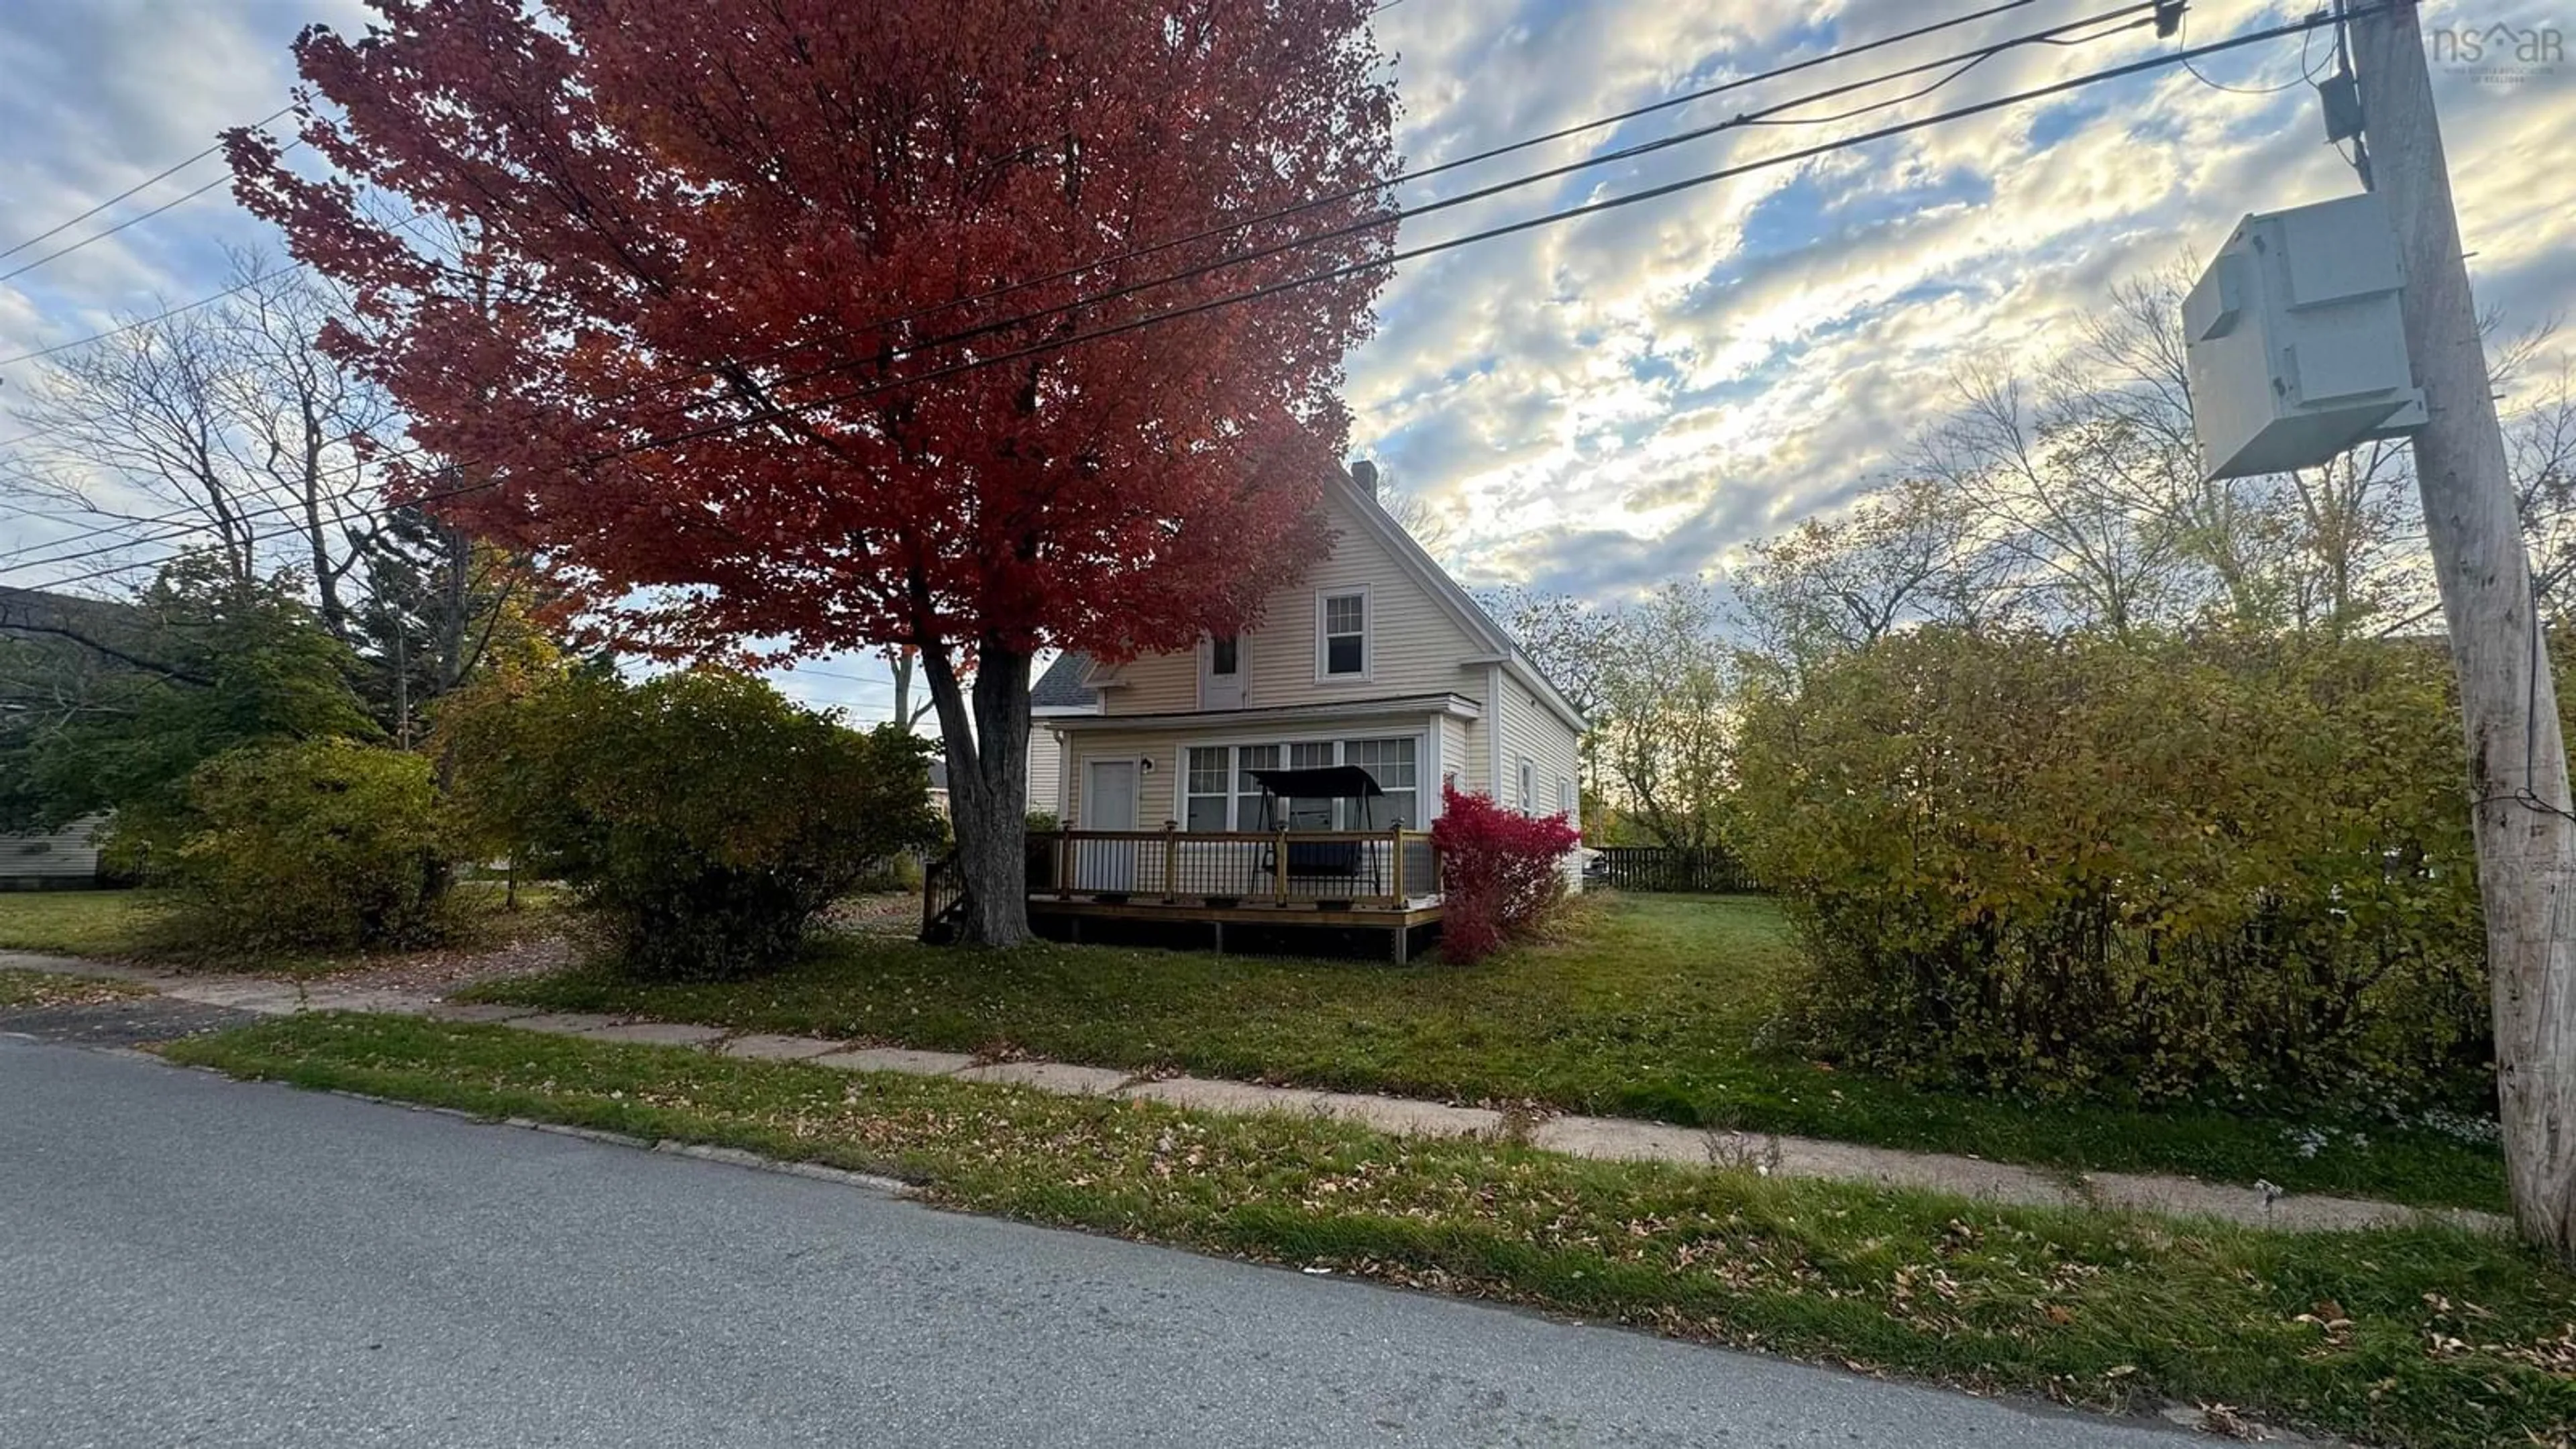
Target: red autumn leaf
[{"x": 702, "y": 245}]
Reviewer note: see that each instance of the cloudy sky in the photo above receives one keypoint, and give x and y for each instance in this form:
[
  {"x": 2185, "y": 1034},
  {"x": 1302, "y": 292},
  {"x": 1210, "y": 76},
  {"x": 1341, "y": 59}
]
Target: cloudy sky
[{"x": 1596, "y": 405}]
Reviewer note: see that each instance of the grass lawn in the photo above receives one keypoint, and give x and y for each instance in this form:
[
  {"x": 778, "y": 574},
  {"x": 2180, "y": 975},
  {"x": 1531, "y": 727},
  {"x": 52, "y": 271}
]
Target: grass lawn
[
  {"x": 1651, "y": 1006},
  {"x": 135, "y": 925},
  {"x": 24, "y": 989},
  {"x": 2427, "y": 1336},
  {"x": 78, "y": 923}
]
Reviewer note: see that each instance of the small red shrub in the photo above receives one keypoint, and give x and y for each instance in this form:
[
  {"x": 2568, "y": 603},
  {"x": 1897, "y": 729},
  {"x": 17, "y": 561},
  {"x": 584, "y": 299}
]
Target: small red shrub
[{"x": 1501, "y": 872}]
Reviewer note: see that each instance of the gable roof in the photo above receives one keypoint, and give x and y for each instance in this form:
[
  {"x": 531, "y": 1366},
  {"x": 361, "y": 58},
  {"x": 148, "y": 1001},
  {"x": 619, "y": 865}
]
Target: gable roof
[
  {"x": 1471, "y": 616},
  {"x": 1062, "y": 687}
]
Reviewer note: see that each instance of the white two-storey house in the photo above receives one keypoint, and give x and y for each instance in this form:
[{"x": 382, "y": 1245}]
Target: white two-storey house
[{"x": 1297, "y": 765}]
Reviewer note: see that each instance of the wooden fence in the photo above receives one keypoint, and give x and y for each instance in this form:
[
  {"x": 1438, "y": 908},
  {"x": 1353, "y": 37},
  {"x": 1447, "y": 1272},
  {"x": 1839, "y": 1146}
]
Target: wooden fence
[{"x": 1670, "y": 868}]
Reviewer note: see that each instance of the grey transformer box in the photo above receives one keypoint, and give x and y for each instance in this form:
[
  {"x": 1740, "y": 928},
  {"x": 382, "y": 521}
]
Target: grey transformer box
[{"x": 2294, "y": 342}]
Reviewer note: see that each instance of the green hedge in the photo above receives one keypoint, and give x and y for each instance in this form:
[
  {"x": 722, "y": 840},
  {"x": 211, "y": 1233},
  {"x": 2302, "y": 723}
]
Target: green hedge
[
  {"x": 702, "y": 818},
  {"x": 326, "y": 844},
  {"x": 2208, "y": 868}
]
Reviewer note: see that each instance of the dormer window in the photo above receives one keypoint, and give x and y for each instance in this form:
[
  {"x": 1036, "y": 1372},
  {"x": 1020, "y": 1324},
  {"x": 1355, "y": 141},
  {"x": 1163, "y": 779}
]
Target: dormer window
[{"x": 1341, "y": 628}]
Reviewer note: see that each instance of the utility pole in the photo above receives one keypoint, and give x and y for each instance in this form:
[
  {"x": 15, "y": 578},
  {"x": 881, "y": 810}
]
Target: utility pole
[{"x": 2525, "y": 832}]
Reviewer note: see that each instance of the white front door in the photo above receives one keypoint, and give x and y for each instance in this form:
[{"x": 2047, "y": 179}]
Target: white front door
[
  {"x": 1221, "y": 672},
  {"x": 1108, "y": 803}
]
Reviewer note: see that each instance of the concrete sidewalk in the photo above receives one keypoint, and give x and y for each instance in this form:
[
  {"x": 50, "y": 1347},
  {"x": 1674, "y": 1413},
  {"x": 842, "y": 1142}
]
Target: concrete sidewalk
[{"x": 1601, "y": 1138}]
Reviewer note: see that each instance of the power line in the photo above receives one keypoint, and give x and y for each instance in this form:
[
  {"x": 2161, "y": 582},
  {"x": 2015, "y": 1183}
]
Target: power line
[
  {"x": 1388, "y": 219},
  {"x": 163, "y": 174},
  {"x": 2183, "y": 37},
  {"x": 141, "y": 322},
  {"x": 1227, "y": 228},
  {"x": 1607, "y": 204},
  {"x": 181, "y": 199},
  {"x": 1769, "y": 115},
  {"x": 852, "y": 678},
  {"x": 1404, "y": 178},
  {"x": 241, "y": 286}
]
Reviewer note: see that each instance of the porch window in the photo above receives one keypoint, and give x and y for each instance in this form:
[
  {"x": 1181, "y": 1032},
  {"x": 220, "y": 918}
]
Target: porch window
[
  {"x": 1312, "y": 814},
  {"x": 1204, "y": 789},
  {"x": 1393, "y": 765},
  {"x": 1208, "y": 770},
  {"x": 1343, "y": 628},
  {"x": 1247, "y": 791}
]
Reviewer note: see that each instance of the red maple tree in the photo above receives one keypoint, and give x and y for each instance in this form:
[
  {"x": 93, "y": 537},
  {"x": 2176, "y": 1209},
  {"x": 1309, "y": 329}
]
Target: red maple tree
[{"x": 702, "y": 245}]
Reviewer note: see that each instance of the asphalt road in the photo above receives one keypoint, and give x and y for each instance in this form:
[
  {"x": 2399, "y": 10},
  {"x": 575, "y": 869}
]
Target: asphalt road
[{"x": 185, "y": 1260}]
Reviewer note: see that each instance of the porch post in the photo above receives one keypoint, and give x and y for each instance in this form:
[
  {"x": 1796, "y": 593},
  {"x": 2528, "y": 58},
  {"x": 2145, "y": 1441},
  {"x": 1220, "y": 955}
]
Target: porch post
[
  {"x": 1171, "y": 860},
  {"x": 1063, "y": 862},
  {"x": 1396, "y": 875},
  {"x": 1279, "y": 867}
]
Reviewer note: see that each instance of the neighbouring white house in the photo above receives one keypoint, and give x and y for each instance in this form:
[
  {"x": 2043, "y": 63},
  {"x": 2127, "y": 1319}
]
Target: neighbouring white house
[
  {"x": 1059, "y": 693},
  {"x": 1296, "y": 766},
  {"x": 54, "y": 859}
]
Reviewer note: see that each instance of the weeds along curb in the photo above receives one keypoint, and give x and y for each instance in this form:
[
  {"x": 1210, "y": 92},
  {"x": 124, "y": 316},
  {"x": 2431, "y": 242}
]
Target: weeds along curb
[{"x": 669, "y": 1146}]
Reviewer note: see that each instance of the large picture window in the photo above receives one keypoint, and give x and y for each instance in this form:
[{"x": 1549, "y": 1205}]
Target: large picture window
[{"x": 1395, "y": 762}]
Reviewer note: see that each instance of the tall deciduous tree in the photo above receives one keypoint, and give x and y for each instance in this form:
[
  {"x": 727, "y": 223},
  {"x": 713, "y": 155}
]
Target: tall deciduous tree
[
  {"x": 227, "y": 422},
  {"x": 725, "y": 244},
  {"x": 1664, "y": 721}
]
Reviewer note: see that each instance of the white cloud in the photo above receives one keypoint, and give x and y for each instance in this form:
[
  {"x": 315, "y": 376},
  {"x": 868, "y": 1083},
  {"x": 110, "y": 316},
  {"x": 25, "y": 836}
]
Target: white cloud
[{"x": 1594, "y": 404}]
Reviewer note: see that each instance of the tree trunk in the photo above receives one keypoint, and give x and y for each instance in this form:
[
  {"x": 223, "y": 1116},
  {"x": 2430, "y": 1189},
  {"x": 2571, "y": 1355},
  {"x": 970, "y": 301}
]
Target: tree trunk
[
  {"x": 988, "y": 786},
  {"x": 2526, "y": 837}
]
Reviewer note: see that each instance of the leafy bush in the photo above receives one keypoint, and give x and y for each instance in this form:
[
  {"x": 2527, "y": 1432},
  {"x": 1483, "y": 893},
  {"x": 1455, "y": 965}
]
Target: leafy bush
[
  {"x": 2207, "y": 868},
  {"x": 701, "y": 817},
  {"x": 1501, "y": 872},
  {"x": 325, "y": 844},
  {"x": 218, "y": 664}
]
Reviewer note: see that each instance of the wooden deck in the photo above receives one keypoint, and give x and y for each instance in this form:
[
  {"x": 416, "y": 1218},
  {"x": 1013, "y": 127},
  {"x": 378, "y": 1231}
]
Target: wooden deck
[{"x": 1378, "y": 880}]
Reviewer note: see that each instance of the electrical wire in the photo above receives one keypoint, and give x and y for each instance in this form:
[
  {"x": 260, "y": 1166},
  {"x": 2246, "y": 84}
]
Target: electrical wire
[
  {"x": 2305, "y": 76},
  {"x": 1313, "y": 203},
  {"x": 183, "y": 198},
  {"x": 1406, "y": 178},
  {"x": 774, "y": 413},
  {"x": 166, "y": 172},
  {"x": 209, "y": 300},
  {"x": 1770, "y": 115},
  {"x": 120, "y": 330}
]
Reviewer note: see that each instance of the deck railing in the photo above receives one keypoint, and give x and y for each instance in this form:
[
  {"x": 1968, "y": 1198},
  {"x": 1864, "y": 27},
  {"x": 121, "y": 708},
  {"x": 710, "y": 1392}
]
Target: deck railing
[{"x": 1295, "y": 867}]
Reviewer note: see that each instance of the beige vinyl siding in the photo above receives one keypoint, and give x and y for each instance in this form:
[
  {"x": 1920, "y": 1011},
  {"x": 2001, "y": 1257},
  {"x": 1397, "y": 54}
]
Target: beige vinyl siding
[
  {"x": 1046, "y": 768},
  {"x": 1456, "y": 738},
  {"x": 61, "y": 857},
  {"x": 1154, "y": 684},
  {"x": 1153, "y": 787},
  {"x": 1533, "y": 732},
  {"x": 1414, "y": 645}
]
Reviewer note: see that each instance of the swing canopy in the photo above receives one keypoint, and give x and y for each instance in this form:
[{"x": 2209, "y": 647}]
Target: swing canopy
[{"x": 1327, "y": 782}]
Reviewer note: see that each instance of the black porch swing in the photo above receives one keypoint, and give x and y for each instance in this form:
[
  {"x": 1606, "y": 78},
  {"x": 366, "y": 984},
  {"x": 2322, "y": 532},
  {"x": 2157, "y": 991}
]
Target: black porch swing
[{"x": 1345, "y": 860}]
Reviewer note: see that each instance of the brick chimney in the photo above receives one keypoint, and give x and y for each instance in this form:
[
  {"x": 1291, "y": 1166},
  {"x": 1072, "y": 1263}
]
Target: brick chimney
[{"x": 1364, "y": 473}]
